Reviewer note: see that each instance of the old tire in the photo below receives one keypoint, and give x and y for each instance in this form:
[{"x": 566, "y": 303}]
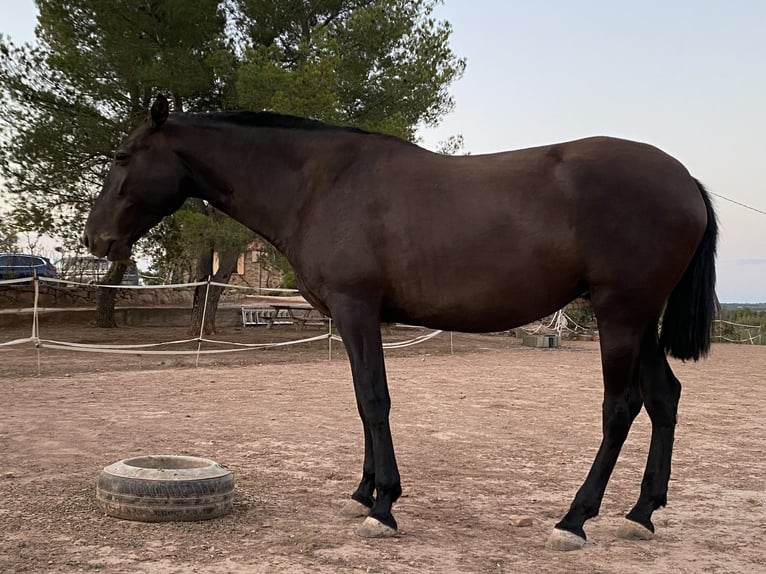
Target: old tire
[{"x": 161, "y": 488}]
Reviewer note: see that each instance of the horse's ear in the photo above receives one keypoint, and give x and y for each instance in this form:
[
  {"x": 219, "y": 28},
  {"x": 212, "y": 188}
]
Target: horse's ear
[{"x": 159, "y": 111}]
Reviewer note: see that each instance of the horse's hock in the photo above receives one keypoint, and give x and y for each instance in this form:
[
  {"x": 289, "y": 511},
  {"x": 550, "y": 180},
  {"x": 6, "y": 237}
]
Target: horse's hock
[{"x": 162, "y": 488}]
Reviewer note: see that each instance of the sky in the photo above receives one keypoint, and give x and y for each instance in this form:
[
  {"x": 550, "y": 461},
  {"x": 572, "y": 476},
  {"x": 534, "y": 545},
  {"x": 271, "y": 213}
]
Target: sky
[{"x": 684, "y": 75}]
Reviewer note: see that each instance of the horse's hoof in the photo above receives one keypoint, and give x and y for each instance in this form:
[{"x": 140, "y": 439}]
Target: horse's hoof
[
  {"x": 354, "y": 509},
  {"x": 631, "y": 530},
  {"x": 564, "y": 540},
  {"x": 373, "y": 528}
]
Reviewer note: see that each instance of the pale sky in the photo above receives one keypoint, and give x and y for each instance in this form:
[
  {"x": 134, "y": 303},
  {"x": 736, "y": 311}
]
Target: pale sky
[{"x": 684, "y": 75}]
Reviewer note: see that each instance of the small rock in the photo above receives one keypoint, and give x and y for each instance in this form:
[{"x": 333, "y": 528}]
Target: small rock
[
  {"x": 520, "y": 521},
  {"x": 9, "y": 475}
]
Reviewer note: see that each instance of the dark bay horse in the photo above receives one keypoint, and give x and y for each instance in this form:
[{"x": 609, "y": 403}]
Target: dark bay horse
[{"x": 380, "y": 230}]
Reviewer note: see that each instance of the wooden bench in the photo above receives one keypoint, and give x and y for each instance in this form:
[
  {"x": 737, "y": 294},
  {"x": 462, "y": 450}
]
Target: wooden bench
[{"x": 299, "y": 316}]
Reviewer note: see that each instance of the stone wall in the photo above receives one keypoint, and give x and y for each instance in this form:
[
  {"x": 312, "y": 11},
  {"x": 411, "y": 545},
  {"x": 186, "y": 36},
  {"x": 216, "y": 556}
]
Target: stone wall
[{"x": 59, "y": 295}]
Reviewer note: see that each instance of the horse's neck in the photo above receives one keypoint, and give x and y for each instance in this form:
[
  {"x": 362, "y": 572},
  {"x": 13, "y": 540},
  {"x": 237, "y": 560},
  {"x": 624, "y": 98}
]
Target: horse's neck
[{"x": 256, "y": 178}]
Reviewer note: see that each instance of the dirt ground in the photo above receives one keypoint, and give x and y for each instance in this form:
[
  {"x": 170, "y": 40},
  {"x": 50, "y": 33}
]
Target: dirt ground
[{"x": 491, "y": 431}]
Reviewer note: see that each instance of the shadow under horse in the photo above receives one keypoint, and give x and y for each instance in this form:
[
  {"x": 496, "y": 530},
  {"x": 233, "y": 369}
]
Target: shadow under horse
[{"x": 380, "y": 230}]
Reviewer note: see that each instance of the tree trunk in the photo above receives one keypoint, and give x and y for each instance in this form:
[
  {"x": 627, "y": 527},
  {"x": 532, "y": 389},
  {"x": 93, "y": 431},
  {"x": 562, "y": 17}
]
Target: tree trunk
[
  {"x": 105, "y": 297},
  {"x": 227, "y": 264}
]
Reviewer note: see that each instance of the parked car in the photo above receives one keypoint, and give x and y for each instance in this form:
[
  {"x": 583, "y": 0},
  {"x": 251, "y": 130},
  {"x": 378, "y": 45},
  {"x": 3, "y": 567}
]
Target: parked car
[
  {"x": 83, "y": 269},
  {"x": 21, "y": 265}
]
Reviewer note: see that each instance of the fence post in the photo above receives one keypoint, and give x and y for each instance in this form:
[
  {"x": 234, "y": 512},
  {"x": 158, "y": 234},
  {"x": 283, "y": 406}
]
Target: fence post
[{"x": 202, "y": 323}]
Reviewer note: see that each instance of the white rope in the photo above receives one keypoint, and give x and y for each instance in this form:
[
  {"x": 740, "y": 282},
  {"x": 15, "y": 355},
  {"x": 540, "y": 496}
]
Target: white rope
[
  {"x": 36, "y": 324},
  {"x": 142, "y": 349},
  {"x": 260, "y": 345},
  {"x": 540, "y": 326},
  {"x": 109, "y": 346},
  {"x": 97, "y": 285},
  {"x": 35, "y": 312},
  {"x": 248, "y": 288},
  {"x": 737, "y": 324},
  {"x": 17, "y": 342},
  {"x": 559, "y": 322},
  {"x": 159, "y": 286},
  {"x": 51, "y": 344},
  {"x": 127, "y": 352},
  {"x": 402, "y": 344},
  {"x": 570, "y": 320},
  {"x": 22, "y": 280},
  {"x": 534, "y": 331},
  {"x": 411, "y": 342},
  {"x": 202, "y": 323},
  {"x": 751, "y": 340}
]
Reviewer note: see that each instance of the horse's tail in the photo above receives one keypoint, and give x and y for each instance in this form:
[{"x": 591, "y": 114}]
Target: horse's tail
[{"x": 691, "y": 307}]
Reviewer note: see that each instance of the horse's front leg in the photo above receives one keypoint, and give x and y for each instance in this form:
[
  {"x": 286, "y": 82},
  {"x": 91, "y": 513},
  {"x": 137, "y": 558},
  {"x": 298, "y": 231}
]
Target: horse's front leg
[
  {"x": 358, "y": 323},
  {"x": 363, "y": 498}
]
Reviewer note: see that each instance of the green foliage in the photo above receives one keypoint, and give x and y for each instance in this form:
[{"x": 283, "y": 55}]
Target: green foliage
[
  {"x": 581, "y": 312},
  {"x": 380, "y": 65},
  {"x": 8, "y": 237},
  {"x": 274, "y": 261},
  {"x": 175, "y": 245},
  {"x": 67, "y": 103},
  {"x": 453, "y": 145}
]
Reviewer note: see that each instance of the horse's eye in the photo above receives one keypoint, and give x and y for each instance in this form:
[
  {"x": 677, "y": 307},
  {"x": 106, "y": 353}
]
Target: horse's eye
[{"x": 121, "y": 156}]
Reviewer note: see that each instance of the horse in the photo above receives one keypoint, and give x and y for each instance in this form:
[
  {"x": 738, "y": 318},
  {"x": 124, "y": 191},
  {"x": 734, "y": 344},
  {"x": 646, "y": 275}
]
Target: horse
[{"x": 380, "y": 230}]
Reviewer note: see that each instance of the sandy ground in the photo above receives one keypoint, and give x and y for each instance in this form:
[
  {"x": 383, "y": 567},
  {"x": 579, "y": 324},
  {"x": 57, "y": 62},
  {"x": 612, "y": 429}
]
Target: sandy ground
[{"x": 491, "y": 431}]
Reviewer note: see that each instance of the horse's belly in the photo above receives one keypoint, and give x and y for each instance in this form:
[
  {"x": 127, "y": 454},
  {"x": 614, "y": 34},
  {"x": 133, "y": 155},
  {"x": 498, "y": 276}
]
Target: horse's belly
[{"x": 471, "y": 304}]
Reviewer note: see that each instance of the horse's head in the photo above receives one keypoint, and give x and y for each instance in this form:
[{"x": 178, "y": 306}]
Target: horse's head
[{"x": 144, "y": 184}]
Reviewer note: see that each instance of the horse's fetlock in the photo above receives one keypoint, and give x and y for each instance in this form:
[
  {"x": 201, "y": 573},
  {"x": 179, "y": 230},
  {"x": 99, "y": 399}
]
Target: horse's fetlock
[
  {"x": 363, "y": 498},
  {"x": 591, "y": 511},
  {"x": 384, "y": 517},
  {"x": 642, "y": 519}
]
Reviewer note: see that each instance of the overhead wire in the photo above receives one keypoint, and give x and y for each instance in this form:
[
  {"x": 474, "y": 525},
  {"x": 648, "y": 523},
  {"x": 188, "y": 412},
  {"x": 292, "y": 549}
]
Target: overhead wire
[{"x": 750, "y": 207}]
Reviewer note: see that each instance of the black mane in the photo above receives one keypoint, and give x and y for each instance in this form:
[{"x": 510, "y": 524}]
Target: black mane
[{"x": 266, "y": 120}]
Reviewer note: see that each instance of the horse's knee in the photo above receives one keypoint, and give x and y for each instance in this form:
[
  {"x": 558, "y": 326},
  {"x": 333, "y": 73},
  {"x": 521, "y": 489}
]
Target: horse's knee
[{"x": 375, "y": 410}]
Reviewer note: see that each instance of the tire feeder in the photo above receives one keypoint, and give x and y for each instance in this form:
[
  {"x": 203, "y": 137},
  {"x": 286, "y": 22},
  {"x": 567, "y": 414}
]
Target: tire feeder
[{"x": 160, "y": 488}]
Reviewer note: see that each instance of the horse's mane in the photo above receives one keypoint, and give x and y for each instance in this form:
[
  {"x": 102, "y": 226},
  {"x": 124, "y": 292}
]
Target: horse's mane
[{"x": 265, "y": 120}]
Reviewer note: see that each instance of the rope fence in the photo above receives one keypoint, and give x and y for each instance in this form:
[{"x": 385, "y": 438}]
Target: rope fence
[
  {"x": 559, "y": 323},
  {"x": 152, "y": 348},
  {"x": 752, "y": 333}
]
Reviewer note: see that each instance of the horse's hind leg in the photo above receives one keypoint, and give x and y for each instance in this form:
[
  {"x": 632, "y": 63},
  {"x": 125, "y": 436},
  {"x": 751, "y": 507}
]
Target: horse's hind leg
[
  {"x": 661, "y": 392},
  {"x": 620, "y": 343}
]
